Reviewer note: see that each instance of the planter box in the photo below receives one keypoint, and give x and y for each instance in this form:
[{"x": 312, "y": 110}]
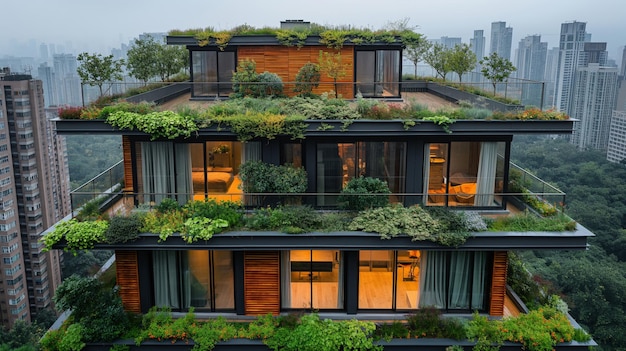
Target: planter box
[
  {"x": 392, "y": 345},
  {"x": 456, "y": 95}
]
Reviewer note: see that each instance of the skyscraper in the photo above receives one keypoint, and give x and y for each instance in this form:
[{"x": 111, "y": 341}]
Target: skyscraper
[
  {"x": 571, "y": 43},
  {"x": 501, "y": 39},
  {"x": 67, "y": 81},
  {"x": 531, "y": 64},
  {"x": 477, "y": 45},
  {"x": 34, "y": 190}
]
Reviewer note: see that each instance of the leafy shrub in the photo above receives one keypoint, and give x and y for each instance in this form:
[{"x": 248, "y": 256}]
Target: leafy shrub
[
  {"x": 163, "y": 124},
  {"x": 428, "y": 322},
  {"x": 164, "y": 224},
  {"x": 307, "y": 78},
  {"x": 69, "y": 112},
  {"x": 229, "y": 211},
  {"x": 267, "y": 125},
  {"x": 200, "y": 228},
  {"x": 291, "y": 219},
  {"x": 78, "y": 235},
  {"x": 526, "y": 222},
  {"x": 167, "y": 205},
  {"x": 357, "y": 195},
  {"x": 122, "y": 229},
  {"x": 269, "y": 84},
  {"x": 141, "y": 108},
  {"x": 260, "y": 177}
]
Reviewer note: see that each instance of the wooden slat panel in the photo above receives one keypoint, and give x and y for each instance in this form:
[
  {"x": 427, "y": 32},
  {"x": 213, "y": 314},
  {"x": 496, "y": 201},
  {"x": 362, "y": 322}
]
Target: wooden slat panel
[
  {"x": 287, "y": 61},
  {"x": 127, "y": 275},
  {"x": 262, "y": 282},
  {"x": 128, "y": 167},
  {"x": 498, "y": 283}
]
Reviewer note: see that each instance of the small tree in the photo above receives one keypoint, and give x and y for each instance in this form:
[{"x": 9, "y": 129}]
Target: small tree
[
  {"x": 307, "y": 78},
  {"x": 171, "y": 60},
  {"x": 496, "y": 69},
  {"x": 462, "y": 59},
  {"x": 331, "y": 65},
  {"x": 96, "y": 69},
  {"x": 415, "y": 52},
  {"x": 143, "y": 59},
  {"x": 438, "y": 58}
]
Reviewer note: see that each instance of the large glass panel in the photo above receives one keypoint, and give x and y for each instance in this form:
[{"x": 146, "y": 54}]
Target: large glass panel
[
  {"x": 196, "y": 278},
  {"x": 376, "y": 279},
  {"x": 204, "y": 64},
  {"x": 315, "y": 279},
  {"x": 365, "y": 73},
  {"x": 464, "y": 161},
  {"x": 435, "y": 171},
  {"x": 226, "y": 66},
  {"x": 338, "y": 163},
  {"x": 407, "y": 291},
  {"x": 388, "y": 72},
  {"x": 292, "y": 154},
  {"x": 215, "y": 166}
]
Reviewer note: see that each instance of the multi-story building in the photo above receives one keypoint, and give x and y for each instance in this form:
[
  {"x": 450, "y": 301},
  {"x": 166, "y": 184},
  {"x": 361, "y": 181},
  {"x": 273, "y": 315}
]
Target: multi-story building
[
  {"x": 552, "y": 64},
  {"x": 616, "y": 151},
  {"x": 48, "y": 79},
  {"x": 477, "y": 45},
  {"x": 68, "y": 84},
  {"x": 593, "y": 101},
  {"x": 501, "y": 39},
  {"x": 464, "y": 166},
  {"x": 531, "y": 64},
  {"x": 33, "y": 185},
  {"x": 571, "y": 43}
]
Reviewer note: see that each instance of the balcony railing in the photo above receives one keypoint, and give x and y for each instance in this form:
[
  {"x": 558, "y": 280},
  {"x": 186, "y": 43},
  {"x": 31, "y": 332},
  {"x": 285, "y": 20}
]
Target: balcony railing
[{"x": 101, "y": 186}]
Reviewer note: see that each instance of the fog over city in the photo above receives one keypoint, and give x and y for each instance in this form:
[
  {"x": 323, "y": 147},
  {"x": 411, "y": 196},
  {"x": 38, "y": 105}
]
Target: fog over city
[{"x": 75, "y": 26}]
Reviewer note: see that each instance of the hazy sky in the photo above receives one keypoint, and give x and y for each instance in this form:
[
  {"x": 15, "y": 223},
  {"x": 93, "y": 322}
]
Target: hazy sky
[{"x": 97, "y": 26}]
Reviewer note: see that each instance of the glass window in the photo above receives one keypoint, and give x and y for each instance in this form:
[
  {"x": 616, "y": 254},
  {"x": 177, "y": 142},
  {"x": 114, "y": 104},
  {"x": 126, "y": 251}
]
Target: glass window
[
  {"x": 337, "y": 163},
  {"x": 376, "y": 279},
  {"x": 212, "y": 72},
  {"x": 378, "y": 73},
  {"x": 312, "y": 279},
  {"x": 464, "y": 173},
  {"x": 200, "y": 279},
  {"x": 214, "y": 170}
]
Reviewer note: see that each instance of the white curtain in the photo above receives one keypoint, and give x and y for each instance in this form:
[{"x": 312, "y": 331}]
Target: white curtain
[
  {"x": 166, "y": 171},
  {"x": 486, "y": 181},
  {"x": 433, "y": 279},
  {"x": 478, "y": 280},
  {"x": 252, "y": 151},
  {"x": 166, "y": 293},
  {"x": 285, "y": 280},
  {"x": 458, "y": 297}
]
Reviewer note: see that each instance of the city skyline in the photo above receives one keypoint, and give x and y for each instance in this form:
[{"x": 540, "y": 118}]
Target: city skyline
[{"x": 73, "y": 22}]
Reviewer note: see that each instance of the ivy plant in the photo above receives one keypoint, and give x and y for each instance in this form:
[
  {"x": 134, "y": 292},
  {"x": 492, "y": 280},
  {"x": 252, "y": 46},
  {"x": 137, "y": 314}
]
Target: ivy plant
[
  {"x": 159, "y": 125},
  {"x": 202, "y": 228}
]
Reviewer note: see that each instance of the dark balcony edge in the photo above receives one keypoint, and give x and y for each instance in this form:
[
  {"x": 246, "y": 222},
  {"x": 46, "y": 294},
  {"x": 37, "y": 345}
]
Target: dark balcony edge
[
  {"x": 264, "y": 39},
  {"x": 245, "y": 240},
  {"x": 392, "y": 345},
  {"x": 333, "y": 128}
]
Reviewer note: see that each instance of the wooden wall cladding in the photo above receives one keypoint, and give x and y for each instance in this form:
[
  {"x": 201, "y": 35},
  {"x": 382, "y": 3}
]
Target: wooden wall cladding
[
  {"x": 287, "y": 61},
  {"x": 498, "y": 283},
  {"x": 128, "y": 167},
  {"x": 127, "y": 275},
  {"x": 262, "y": 282}
]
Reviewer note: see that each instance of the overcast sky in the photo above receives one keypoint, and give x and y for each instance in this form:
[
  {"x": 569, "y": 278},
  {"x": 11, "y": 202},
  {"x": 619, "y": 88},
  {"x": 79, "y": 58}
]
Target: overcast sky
[{"x": 98, "y": 26}]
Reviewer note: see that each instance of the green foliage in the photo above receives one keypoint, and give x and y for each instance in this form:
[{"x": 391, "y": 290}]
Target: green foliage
[
  {"x": 307, "y": 78},
  {"x": 496, "y": 69},
  {"x": 247, "y": 82},
  {"x": 143, "y": 59},
  {"x": 90, "y": 210},
  {"x": 159, "y": 325},
  {"x": 438, "y": 57},
  {"x": 443, "y": 121},
  {"x": 357, "y": 195},
  {"x": 521, "y": 281},
  {"x": 395, "y": 330},
  {"x": 429, "y": 323},
  {"x": 293, "y": 220},
  {"x": 159, "y": 125},
  {"x": 141, "y": 108},
  {"x": 78, "y": 235},
  {"x": 229, "y": 211},
  {"x": 333, "y": 39},
  {"x": 122, "y": 229},
  {"x": 95, "y": 69},
  {"x": 526, "y": 222},
  {"x": 269, "y": 85},
  {"x": 164, "y": 224},
  {"x": 206, "y": 335},
  {"x": 260, "y": 177},
  {"x": 416, "y": 49},
  {"x": 266, "y": 125},
  {"x": 461, "y": 59},
  {"x": 413, "y": 221},
  {"x": 167, "y": 205},
  {"x": 295, "y": 37},
  {"x": 324, "y": 335},
  {"x": 331, "y": 65},
  {"x": 201, "y": 228},
  {"x": 72, "y": 340},
  {"x": 99, "y": 310}
]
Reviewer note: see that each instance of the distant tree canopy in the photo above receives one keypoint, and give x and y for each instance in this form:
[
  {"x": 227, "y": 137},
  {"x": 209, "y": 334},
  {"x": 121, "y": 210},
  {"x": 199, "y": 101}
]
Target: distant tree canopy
[
  {"x": 95, "y": 69},
  {"x": 593, "y": 281},
  {"x": 90, "y": 155},
  {"x": 149, "y": 59}
]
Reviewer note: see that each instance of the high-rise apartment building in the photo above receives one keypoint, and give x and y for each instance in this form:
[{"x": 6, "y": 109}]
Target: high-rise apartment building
[
  {"x": 34, "y": 188},
  {"x": 67, "y": 81},
  {"x": 616, "y": 151},
  {"x": 531, "y": 65},
  {"x": 592, "y": 104},
  {"x": 477, "y": 45},
  {"x": 571, "y": 43},
  {"x": 501, "y": 39},
  {"x": 47, "y": 77}
]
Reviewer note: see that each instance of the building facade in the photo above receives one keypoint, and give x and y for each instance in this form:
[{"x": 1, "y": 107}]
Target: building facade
[
  {"x": 34, "y": 196},
  {"x": 501, "y": 39},
  {"x": 571, "y": 43},
  {"x": 616, "y": 151},
  {"x": 531, "y": 64}
]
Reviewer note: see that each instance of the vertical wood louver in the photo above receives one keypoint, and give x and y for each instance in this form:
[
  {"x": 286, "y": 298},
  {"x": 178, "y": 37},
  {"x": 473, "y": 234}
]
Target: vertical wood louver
[
  {"x": 498, "y": 283},
  {"x": 262, "y": 282},
  {"x": 127, "y": 275}
]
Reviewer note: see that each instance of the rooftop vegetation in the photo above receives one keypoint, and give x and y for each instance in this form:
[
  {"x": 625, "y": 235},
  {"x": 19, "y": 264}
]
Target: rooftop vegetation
[
  {"x": 268, "y": 117},
  {"x": 103, "y": 320},
  {"x": 331, "y": 36}
]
